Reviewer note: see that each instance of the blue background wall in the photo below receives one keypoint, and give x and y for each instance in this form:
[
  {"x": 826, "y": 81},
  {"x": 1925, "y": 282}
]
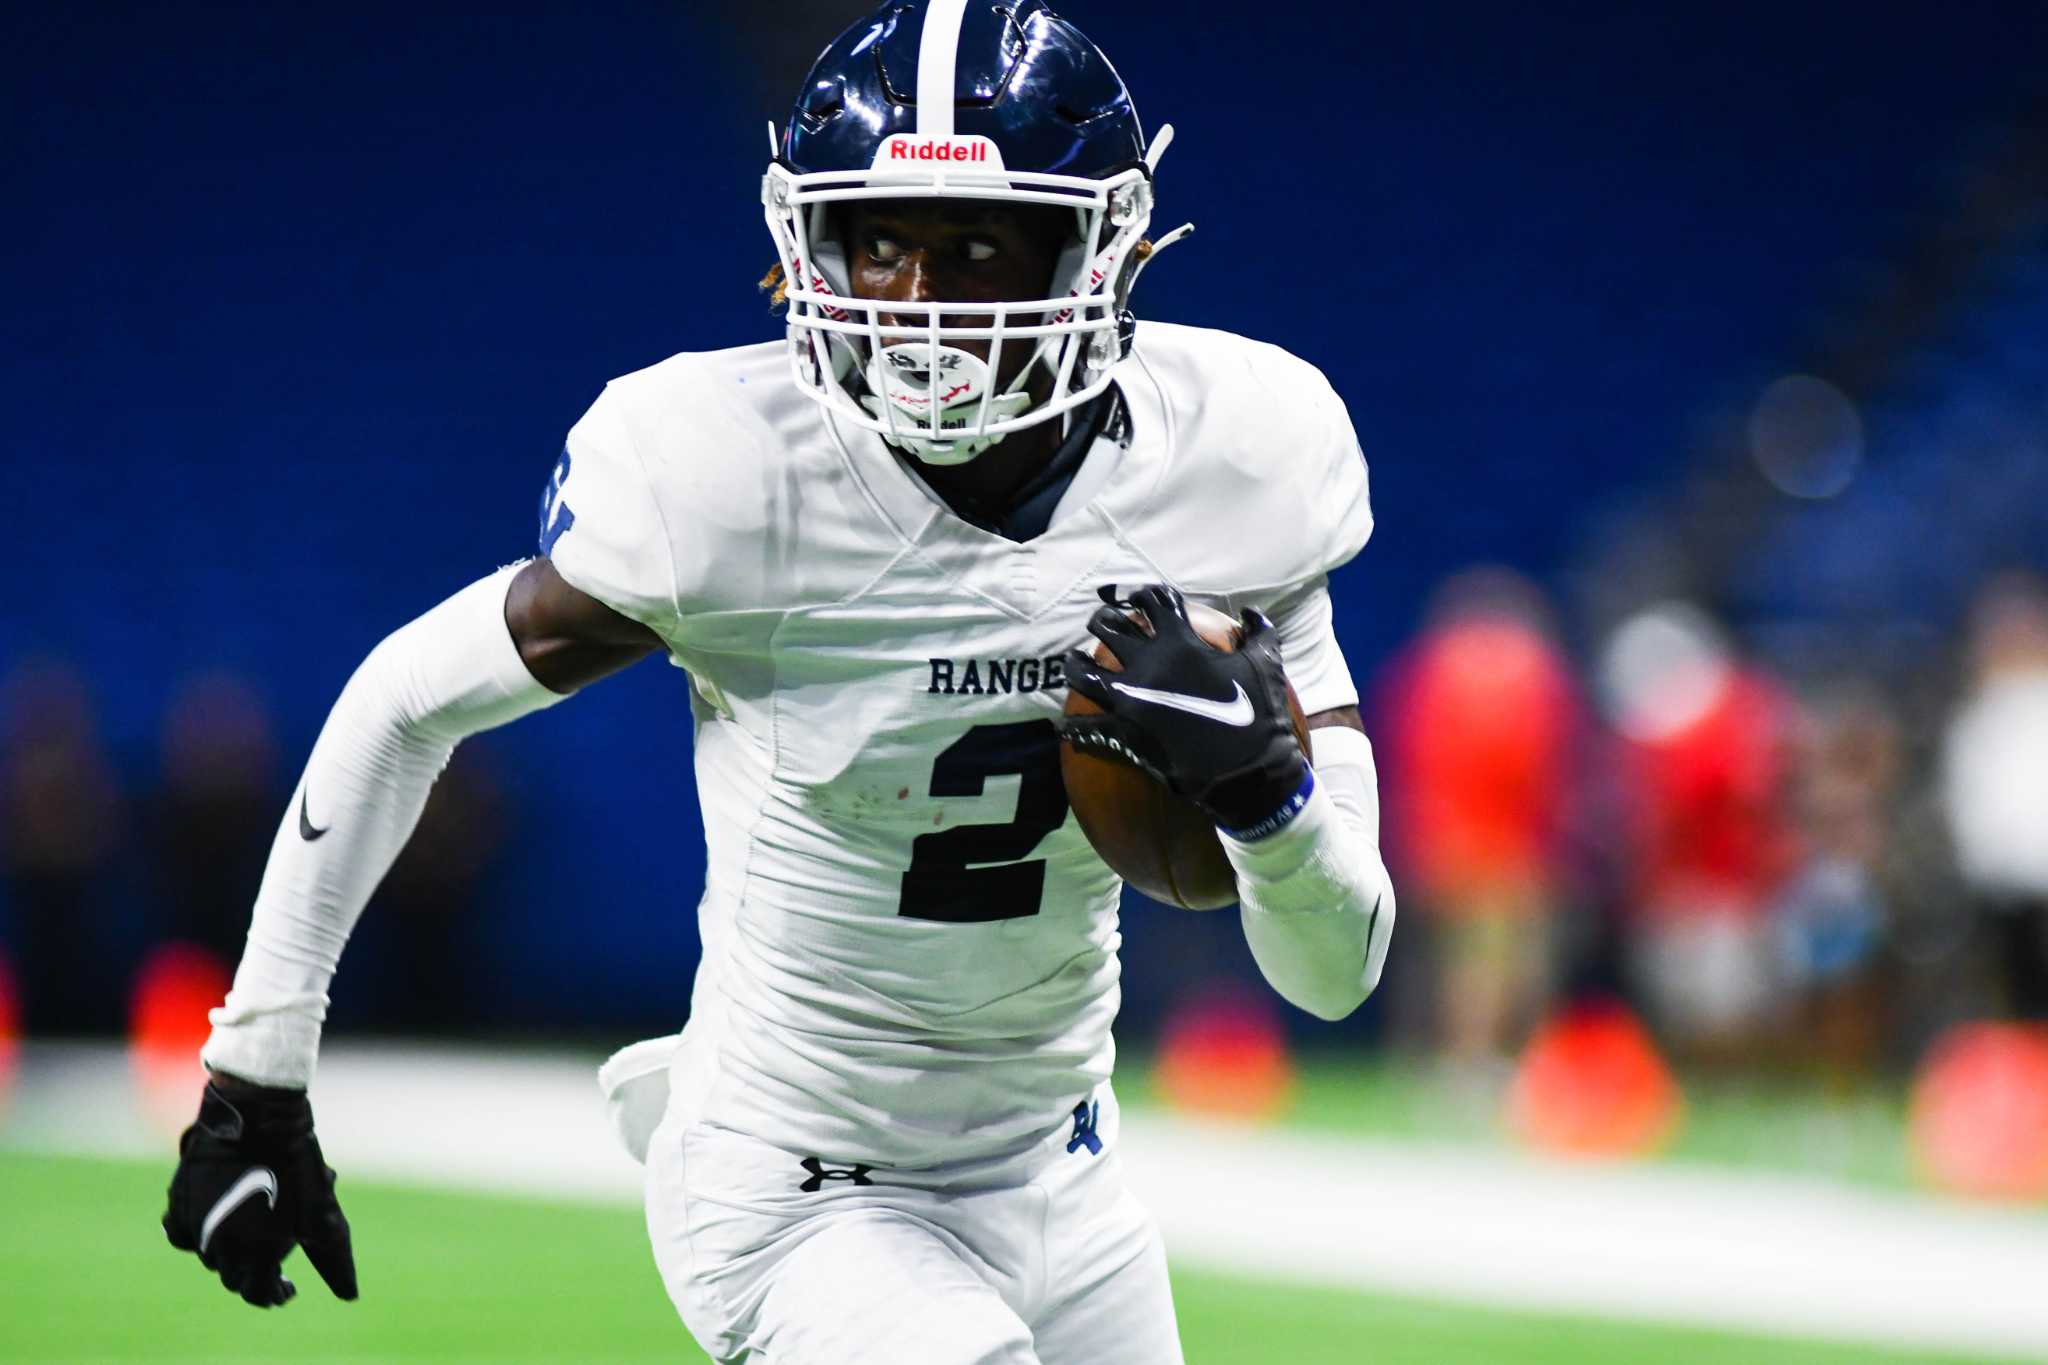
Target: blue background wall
[{"x": 299, "y": 302}]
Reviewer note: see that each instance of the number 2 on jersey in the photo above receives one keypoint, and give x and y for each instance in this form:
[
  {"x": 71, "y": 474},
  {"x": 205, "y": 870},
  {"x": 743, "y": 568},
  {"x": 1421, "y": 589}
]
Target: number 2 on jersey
[
  {"x": 950, "y": 878},
  {"x": 555, "y": 516}
]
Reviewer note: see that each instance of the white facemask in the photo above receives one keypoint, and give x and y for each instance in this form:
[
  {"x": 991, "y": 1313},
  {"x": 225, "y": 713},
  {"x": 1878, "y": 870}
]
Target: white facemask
[{"x": 923, "y": 392}]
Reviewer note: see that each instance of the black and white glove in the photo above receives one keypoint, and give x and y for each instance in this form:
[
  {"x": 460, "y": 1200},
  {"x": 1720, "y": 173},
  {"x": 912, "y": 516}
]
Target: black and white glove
[
  {"x": 1212, "y": 725},
  {"x": 250, "y": 1185}
]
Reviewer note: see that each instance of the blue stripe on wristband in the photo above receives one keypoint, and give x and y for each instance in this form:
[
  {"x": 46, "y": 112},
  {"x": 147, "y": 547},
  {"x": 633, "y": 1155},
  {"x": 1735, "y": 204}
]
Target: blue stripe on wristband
[{"x": 1282, "y": 818}]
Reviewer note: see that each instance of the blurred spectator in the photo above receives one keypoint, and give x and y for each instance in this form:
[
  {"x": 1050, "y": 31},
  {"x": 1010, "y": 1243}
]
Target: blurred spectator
[
  {"x": 1831, "y": 919},
  {"x": 1705, "y": 749},
  {"x": 1995, "y": 784},
  {"x": 216, "y": 811},
  {"x": 428, "y": 915},
  {"x": 60, "y": 825},
  {"x": 1481, "y": 720}
]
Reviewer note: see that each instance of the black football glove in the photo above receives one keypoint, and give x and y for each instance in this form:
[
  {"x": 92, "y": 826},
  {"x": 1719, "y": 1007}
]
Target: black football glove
[
  {"x": 250, "y": 1185},
  {"x": 1213, "y": 726}
]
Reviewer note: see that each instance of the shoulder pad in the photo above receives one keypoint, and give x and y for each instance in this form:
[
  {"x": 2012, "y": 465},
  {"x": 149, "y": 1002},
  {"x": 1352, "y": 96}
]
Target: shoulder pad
[
  {"x": 1266, "y": 488},
  {"x": 749, "y": 506},
  {"x": 598, "y": 522}
]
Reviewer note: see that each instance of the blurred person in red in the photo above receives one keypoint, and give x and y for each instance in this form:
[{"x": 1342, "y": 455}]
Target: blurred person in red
[
  {"x": 61, "y": 823},
  {"x": 1995, "y": 784},
  {"x": 1705, "y": 757},
  {"x": 1482, "y": 716}
]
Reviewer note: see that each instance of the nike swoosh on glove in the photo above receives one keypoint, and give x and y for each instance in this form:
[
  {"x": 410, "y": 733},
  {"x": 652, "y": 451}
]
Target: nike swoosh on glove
[
  {"x": 1212, "y": 725},
  {"x": 250, "y": 1185}
]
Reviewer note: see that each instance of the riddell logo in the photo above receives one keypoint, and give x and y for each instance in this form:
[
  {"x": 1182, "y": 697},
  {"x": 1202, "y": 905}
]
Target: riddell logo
[
  {"x": 906, "y": 148},
  {"x": 903, "y": 149}
]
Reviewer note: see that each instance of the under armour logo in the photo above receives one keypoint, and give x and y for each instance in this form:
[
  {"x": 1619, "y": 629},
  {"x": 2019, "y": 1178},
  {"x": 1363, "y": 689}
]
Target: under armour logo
[
  {"x": 820, "y": 1173},
  {"x": 1085, "y": 1115}
]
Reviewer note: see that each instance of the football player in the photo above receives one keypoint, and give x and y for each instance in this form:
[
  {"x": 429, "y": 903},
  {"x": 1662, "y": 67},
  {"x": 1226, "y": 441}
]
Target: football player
[{"x": 887, "y": 1131}]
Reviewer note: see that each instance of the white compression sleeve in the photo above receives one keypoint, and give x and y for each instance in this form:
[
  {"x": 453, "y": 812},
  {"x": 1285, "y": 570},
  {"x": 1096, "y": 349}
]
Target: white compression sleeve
[
  {"x": 449, "y": 674},
  {"x": 1316, "y": 902}
]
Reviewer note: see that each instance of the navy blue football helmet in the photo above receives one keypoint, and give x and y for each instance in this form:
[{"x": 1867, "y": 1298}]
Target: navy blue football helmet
[{"x": 962, "y": 99}]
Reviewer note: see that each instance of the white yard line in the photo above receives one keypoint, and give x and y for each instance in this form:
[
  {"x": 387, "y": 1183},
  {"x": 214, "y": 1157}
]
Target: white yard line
[{"x": 1659, "y": 1243}]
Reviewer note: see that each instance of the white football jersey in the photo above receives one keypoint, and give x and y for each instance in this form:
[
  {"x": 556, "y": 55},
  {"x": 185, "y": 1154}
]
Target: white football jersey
[{"x": 910, "y": 948}]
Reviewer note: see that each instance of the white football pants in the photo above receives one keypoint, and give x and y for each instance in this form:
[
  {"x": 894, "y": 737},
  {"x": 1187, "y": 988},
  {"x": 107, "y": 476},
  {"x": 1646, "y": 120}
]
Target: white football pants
[{"x": 1047, "y": 1260}]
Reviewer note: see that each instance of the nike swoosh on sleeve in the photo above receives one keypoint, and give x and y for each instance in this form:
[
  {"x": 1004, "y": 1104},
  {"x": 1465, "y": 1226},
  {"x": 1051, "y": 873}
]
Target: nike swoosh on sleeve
[
  {"x": 1236, "y": 710},
  {"x": 306, "y": 830},
  {"x": 256, "y": 1180}
]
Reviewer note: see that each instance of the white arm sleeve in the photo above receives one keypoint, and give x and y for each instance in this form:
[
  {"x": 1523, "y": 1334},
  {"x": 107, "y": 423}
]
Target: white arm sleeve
[
  {"x": 1315, "y": 899},
  {"x": 449, "y": 674}
]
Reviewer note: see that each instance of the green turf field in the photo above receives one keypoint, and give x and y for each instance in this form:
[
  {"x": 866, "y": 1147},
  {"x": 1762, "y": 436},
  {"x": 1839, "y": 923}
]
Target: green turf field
[
  {"x": 1788, "y": 1124},
  {"x": 86, "y": 1275}
]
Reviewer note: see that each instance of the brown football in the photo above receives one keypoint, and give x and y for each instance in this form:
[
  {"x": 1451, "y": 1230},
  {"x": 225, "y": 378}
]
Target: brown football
[{"x": 1158, "y": 842}]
